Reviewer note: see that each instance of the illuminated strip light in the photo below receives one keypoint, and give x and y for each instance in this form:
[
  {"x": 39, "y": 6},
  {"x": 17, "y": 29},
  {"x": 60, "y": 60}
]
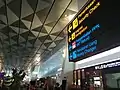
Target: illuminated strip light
[
  {"x": 109, "y": 65},
  {"x": 60, "y": 69},
  {"x": 98, "y": 56}
]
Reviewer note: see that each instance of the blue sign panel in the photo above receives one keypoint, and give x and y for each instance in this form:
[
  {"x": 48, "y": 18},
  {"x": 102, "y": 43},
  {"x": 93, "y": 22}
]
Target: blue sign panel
[{"x": 94, "y": 30}]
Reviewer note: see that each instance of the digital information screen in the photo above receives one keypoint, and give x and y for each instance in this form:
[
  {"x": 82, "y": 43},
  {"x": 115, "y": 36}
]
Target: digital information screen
[{"x": 95, "y": 29}]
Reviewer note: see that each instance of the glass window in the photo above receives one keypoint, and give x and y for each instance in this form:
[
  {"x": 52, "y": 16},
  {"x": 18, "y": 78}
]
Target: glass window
[{"x": 113, "y": 80}]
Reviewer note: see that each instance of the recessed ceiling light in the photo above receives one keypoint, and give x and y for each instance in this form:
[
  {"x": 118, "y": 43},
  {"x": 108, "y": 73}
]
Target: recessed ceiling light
[{"x": 66, "y": 15}]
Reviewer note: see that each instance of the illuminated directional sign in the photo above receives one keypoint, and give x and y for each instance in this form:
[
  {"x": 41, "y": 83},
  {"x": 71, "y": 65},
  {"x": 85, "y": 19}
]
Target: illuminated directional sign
[{"x": 94, "y": 30}]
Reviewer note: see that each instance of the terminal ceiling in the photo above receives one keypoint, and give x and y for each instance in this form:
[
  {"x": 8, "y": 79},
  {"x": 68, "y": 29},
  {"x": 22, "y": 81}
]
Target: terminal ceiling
[{"x": 33, "y": 28}]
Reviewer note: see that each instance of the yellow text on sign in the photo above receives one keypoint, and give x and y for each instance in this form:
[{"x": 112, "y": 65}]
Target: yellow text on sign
[
  {"x": 70, "y": 28},
  {"x": 75, "y": 23},
  {"x": 73, "y": 36}
]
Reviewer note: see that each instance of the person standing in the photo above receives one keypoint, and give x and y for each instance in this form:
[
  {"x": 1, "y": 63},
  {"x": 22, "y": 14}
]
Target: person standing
[
  {"x": 64, "y": 83},
  {"x": 57, "y": 87},
  {"x": 32, "y": 85}
]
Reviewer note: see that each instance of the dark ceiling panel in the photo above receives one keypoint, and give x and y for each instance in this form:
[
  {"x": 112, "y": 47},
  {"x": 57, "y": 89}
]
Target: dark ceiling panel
[
  {"x": 24, "y": 35},
  {"x": 2, "y": 10},
  {"x": 42, "y": 14},
  {"x": 21, "y": 25},
  {"x": 7, "y": 39},
  {"x": 5, "y": 31},
  {"x": 32, "y": 41},
  {"x": 61, "y": 34},
  {"x": 48, "y": 1},
  {"x": 56, "y": 33},
  {"x": 47, "y": 44},
  {"x": 1, "y": 22},
  {"x": 37, "y": 29},
  {"x": 32, "y": 4},
  {"x": 42, "y": 38},
  {"x": 31, "y": 34},
  {"x": 12, "y": 31},
  {"x": 49, "y": 38},
  {"x": 15, "y": 38},
  {"x": 57, "y": 42},
  {"x": 29, "y": 17},
  {"x": 43, "y": 30},
  {"x": 15, "y": 7},
  {"x": 51, "y": 24}
]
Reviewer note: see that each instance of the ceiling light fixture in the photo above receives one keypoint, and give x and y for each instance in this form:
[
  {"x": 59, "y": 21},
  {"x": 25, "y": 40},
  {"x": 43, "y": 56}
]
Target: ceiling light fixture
[
  {"x": 66, "y": 15},
  {"x": 60, "y": 69}
]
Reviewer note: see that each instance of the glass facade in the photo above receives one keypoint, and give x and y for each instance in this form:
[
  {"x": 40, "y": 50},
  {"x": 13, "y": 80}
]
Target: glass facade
[{"x": 52, "y": 65}]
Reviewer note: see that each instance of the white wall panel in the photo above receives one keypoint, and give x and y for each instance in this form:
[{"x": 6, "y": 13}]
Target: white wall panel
[{"x": 104, "y": 57}]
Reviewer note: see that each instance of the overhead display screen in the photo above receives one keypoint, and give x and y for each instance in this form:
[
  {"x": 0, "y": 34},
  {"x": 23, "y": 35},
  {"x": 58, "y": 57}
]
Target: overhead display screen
[{"x": 95, "y": 29}]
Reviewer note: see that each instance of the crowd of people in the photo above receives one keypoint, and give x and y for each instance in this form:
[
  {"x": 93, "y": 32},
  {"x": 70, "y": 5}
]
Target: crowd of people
[
  {"x": 44, "y": 84},
  {"x": 41, "y": 84}
]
